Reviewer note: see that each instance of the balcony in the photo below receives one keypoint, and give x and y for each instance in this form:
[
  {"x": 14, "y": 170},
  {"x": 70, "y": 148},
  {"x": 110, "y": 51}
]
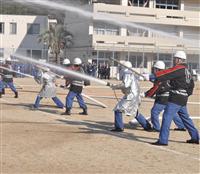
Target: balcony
[
  {"x": 138, "y": 43},
  {"x": 149, "y": 15}
]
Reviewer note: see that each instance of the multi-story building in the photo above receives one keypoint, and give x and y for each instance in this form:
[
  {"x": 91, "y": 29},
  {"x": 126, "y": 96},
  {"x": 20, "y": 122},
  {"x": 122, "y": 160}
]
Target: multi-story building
[
  {"x": 164, "y": 27},
  {"x": 19, "y": 33}
]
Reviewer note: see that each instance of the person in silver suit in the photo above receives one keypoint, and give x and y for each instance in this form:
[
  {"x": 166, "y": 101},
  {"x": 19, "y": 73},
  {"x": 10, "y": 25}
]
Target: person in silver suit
[
  {"x": 129, "y": 103},
  {"x": 47, "y": 79}
]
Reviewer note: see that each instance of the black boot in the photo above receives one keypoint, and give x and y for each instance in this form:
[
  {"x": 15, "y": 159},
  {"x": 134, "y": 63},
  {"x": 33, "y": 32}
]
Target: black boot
[
  {"x": 3, "y": 91},
  {"x": 16, "y": 94},
  {"x": 148, "y": 128},
  {"x": 67, "y": 112},
  {"x": 0, "y": 95},
  {"x": 84, "y": 112}
]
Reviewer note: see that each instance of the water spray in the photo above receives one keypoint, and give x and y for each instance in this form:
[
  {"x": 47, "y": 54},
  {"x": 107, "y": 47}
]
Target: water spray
[
  {"x": 101, "y": 17},
  {"x": 58, "y": 68},
  {"x": 27, "y": 75}
]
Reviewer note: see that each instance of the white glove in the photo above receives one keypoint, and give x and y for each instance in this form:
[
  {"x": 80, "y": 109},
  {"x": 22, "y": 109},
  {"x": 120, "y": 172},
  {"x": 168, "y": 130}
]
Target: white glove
[
  {"x": 113, "y": 86},
  {"x": 142, "y": 94}
]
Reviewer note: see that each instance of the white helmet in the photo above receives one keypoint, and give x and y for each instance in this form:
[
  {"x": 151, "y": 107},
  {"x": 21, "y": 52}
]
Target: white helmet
[
  {"x": 2, "y": 60},
  {"x": 180, "y": 55},
  {"x": 77, "y": 61},
  {"x": 128, "y": 64},
  {"x": 90, "y": 61},
  {"x": 9, "y": 59},
  {"x": 45, "y": 69},
  {"x": 66, "y": 61},
  {"x": 159, "y": 64}
]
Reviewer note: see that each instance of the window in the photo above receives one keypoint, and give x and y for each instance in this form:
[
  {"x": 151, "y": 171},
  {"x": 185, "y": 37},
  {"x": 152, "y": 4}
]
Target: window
[
  {"x": 13, "y": 28},
  {"x": 33, "y": 28},
  {"x": 34, "y": 53},
  {"x": 137, "y": 32},
  {"x": 139, "y": 3},
  {"x": 137, "y": 60},
  {"x": 105, "y": 29},
  {"x": 166, "y": 58},
  {"x": 1, "y": 27},
  {"x": 167, "y": 4},
  {"x": 1, "y": 52}
]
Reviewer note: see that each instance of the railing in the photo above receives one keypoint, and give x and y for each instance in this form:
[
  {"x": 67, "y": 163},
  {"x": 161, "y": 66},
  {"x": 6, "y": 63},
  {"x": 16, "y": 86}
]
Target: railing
[{"x": 149, "y": 15}]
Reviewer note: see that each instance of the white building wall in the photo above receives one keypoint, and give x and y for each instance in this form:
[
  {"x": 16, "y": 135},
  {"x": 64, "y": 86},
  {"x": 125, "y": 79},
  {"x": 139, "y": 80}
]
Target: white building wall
[
  {"x": 21, "y": 40},
  {"x": 192, "y": 5},
  {"x": 182, "y": 23}
]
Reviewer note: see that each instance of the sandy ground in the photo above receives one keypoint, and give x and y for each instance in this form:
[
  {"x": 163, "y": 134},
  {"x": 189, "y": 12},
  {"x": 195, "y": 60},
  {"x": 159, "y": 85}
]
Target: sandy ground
[{"x": 44, "y": 141}]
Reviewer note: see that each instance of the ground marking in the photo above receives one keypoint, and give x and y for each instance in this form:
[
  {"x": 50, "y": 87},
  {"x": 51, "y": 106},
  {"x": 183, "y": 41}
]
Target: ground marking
[{"x": 159, "y": 147}]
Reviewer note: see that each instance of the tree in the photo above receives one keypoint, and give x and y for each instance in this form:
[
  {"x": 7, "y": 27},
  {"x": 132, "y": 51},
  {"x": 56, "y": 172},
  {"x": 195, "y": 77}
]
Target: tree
[{"x": 57, "y": 38}]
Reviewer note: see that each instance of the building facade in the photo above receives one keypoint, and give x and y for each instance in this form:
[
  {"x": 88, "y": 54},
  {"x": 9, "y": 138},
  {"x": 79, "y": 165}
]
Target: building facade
[
  {"x": 141, "y": 31},
  {"x": 19, "y": 34}
]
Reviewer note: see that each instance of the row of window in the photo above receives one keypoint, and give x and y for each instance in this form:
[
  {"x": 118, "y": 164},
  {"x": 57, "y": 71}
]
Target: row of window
[
  {"x": 38, "y": 54},
  {"x": 31, "y": 28},
  {"x": 133, "y": 32},
  {"x": 103, "y": 31},
  {"x": 140, "y": 60},
  {"x": 164, "y": 4}
]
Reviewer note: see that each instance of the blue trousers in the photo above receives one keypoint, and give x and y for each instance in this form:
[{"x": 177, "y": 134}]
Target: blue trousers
[
  {"x": 170, "y": 111},
  {"x": 1, "y": 85},
  {"x": 56, "y": 100},
  {"x": 155, "y": 112},
  {"x": 70, "y": 99},
  {"x": 119, "y": 120},
  {"x": 9, "y": 84}
]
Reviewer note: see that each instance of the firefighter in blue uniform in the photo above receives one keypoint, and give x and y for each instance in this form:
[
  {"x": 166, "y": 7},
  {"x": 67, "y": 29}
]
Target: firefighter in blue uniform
[
  {"x": 161, "y": 92},
  {"x": 7, "y": 79},
  {"x": 181, "y": 87},
  {"x": 75, "y": 89},
  {"x": 2, "y": 91}
]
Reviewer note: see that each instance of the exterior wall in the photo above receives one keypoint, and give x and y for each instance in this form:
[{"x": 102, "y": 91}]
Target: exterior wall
[
  {"x": 21, "y": 41},
  {"x": 192, "y": 5},
  {"x": 183, "y": 24},
  {"x": 81, "y": 29}
]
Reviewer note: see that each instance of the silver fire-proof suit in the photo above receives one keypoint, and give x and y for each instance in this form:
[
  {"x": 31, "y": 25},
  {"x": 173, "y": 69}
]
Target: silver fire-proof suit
[
  {"x": 129, "y": 103},
  {"x": 47, "y": 79}
]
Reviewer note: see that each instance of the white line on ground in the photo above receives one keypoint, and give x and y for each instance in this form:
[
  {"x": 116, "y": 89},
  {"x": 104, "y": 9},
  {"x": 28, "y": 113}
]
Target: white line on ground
[
  {"x": 158, "y": 147},
  {"x": 145, "y": 100}
]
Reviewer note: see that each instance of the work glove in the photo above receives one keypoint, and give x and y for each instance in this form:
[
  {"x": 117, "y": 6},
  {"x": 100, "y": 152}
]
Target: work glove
[
  {"x": 110, "y": 85},
  {"x": 142, "y": 94}
]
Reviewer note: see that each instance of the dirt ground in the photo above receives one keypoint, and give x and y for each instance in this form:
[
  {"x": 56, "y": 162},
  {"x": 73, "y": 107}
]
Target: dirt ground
[{"x": 44, "y": 141}]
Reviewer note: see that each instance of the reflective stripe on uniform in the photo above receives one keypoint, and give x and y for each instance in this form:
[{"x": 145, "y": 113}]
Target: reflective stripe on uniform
[
  {"x": 166, "y": 94},
  {"x": 77, "y": 83},
  {"x": 8, "y": 76},
  {"x": 180, "y": 92}
]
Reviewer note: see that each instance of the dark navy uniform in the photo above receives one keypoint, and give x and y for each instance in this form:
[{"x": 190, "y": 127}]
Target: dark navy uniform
[
  {"x": 181, "y": 87},
  {"x": 161, "y": 92},
  {"x": 7, "y": 81},
  {"x": 75, "y": 90}
]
